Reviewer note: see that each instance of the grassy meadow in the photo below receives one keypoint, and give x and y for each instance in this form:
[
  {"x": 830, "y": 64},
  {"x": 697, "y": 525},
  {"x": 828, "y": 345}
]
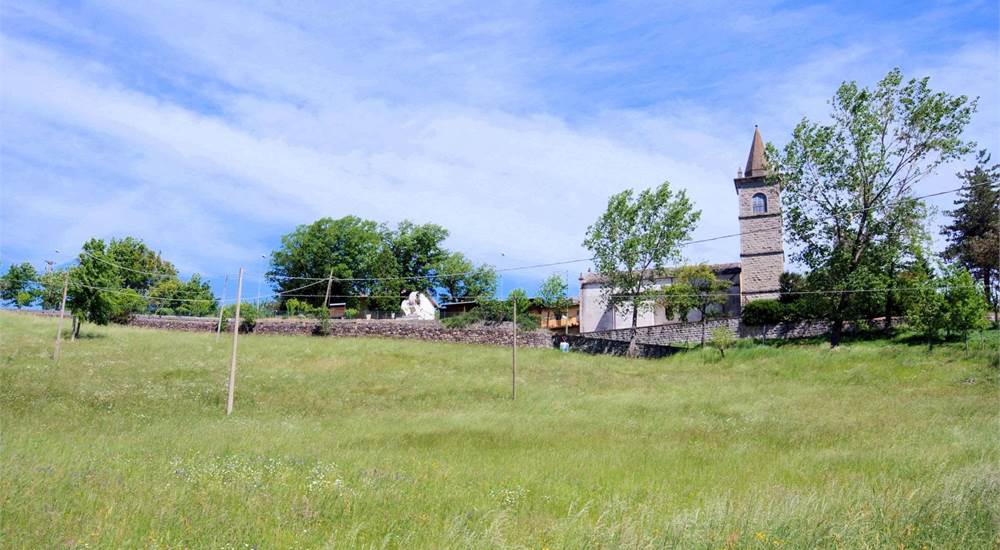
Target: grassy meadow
[{"x": 367, "y": 443}]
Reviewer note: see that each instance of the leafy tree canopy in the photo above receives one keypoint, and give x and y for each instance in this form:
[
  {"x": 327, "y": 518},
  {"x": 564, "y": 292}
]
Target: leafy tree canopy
[
  {"x": 552, "y": 294},
  {"x": 636, "y": 236},
  {"x": 848, "y": 204},
  {"x": 19, "y": 285},
  {"x": 174, "y": 297},
  {"x": 459, "y": 279},
  {"x": 974, "y": 232},
  {"x": 695, "y": 288},
  {"x": 370, "y": 259}
]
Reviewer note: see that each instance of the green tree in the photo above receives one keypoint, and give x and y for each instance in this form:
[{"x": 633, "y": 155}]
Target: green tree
[
  {"x": 965, "y": 303},
  {"x": 847, "y": 194},
  {"x": 174, "y": 297},
  {"x": 349, "y": 247},
  {"x": 93, "y": 285},
  {"x": 140, "y": 267},
  {"x": 50, "y": 289},
  {"x": 19, "y": 285},
  {"x": 723, "y": 338},
  {"x": 553, "y": 296},
  {"x": 695, "y": 288},
  {"x": 974, "y": 232},
  {"x": 927, "y": 312},
  {"x": 459, "y": 279},
  {"x": 417, "y": 251},
  {"x": 635, "y": 237}
]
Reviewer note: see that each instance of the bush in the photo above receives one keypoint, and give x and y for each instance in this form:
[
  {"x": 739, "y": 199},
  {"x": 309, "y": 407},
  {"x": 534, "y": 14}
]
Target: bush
[
  {"x": 351, "y": 313},
  {"x": 126, "y": 304},
  {"x": 323, "y": 328},
  {"x": 493, "y": 312},
  {"x": 301, "y": 308},
  {"x": 248, "y": 316},
  {"x": 722, "y": 339},
  {"x": 764, "y": 312}
]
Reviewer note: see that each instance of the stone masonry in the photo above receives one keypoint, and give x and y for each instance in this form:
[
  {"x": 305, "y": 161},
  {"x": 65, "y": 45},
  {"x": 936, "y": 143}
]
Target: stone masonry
[
  {"x": 762, "y": 255},
  {"x": 382, "y": 328},
  {"x": 686, "y": 333}
]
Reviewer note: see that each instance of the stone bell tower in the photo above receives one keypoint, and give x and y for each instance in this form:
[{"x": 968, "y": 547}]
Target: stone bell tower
[{"x": 762, "y": 255}]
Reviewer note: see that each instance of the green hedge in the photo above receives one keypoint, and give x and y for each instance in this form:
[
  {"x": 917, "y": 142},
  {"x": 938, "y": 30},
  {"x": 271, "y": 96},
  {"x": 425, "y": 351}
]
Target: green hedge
[{"x": 772, "y": 312}]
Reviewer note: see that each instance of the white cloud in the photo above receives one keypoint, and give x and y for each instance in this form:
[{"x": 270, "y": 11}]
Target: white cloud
[{"x": 281, "y": 118}]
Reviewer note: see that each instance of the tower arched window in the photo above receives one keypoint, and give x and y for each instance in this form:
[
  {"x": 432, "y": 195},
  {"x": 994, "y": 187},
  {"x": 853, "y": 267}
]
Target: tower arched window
[{"x": 759, "y": 204}]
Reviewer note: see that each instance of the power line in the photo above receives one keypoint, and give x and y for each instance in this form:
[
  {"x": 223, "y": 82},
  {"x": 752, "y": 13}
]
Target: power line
[
  {"x": 144, "y": 296},
  {"x": 591, "y": 258},
  {"x": 317, "y": 280},
  {"x": 160, "y": 276}
]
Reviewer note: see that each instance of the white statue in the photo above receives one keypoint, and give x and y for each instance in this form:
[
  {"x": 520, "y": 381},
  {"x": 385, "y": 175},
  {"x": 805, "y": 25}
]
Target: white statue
[{"x": 418, "y": 306}]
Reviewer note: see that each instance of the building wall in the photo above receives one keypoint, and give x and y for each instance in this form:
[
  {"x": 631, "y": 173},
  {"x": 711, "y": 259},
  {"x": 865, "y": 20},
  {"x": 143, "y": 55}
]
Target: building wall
[{"x": 595, "y": 315}]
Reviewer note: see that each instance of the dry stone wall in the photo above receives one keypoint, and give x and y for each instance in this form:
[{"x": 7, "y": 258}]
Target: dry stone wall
[
  {"x": 683, "y": 333},
  {"x": 668, "y": 334},
  {"x": 604, "y": 346},
  {"x": 383, "y": 328}
]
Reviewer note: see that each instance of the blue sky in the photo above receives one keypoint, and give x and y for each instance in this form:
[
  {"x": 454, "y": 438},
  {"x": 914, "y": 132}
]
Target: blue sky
[{"x": 209, "y": 130}]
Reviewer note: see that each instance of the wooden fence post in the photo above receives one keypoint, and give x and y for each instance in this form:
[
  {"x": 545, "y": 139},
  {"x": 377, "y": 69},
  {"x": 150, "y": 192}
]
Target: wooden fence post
[
  {"x": 62, "y": 313},
  {"x": 236, "y": 335}
]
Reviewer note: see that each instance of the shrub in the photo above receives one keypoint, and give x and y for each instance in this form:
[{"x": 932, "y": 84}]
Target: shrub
[
  {"x": 294, "y": 306},
  {"x": 248, "y": 316},
  {"x": 323, "y": 328},
  {"x": 493, "y": 312},
  {"x": 351, "y": 313},
  {"x": 126, "y": 304},
  {"x": 722, "y": 339},
  {"x": 764, "y": 312}
]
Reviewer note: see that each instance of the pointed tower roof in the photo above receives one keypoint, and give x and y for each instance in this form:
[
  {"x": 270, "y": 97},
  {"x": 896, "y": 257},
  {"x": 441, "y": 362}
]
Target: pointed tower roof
[{"x": 755, "y": 162}]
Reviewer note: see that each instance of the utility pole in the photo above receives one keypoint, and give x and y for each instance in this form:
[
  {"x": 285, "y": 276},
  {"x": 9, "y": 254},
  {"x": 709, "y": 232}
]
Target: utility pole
[
  {"x": 329, "y": 285},
  {"x": 62, "y": 313},
  {"x": 222, "y": 307},
  {"x": 513, "y": 356},
  {"x": 236, "y": 335}
]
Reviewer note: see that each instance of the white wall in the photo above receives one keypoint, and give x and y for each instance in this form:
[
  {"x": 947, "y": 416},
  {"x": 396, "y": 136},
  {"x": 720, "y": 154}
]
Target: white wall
[{"x": 594, "y": 315}]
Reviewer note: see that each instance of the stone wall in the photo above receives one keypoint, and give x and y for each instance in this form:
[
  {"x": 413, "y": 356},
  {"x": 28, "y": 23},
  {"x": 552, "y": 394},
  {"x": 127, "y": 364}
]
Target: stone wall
[
  {"x": 170, "y": 322},
  {"x": 613, "y": 347},
  {"x": 384, "y": 328},
  {"x": 683, "y": 333},
  {"x": 417, "y": 330},
  {"x": 668, "y": 334}
]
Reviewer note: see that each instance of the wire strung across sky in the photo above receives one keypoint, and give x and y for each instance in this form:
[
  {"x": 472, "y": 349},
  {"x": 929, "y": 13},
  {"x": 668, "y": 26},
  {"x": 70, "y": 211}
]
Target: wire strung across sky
[
  {"x": 318, "y": 280},
  {"x": 591, "y": 258}
]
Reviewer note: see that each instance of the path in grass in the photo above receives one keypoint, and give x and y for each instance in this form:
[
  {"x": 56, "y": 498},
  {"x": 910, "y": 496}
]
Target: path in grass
[{"x": 371, "y": 443}]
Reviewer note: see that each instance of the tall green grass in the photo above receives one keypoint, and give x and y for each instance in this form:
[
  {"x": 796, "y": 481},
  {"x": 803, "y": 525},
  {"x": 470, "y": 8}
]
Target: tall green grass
[{"x": 367, "y": 443}]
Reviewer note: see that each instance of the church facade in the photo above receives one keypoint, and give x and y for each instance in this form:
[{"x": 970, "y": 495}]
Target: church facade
[{"x": 755, "y": 276}]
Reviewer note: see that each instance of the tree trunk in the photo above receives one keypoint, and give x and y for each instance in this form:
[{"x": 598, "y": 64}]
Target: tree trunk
[
  {"x": 75, "y": 332},
  {"x": 836, "y": 331},
  {"x": 632, "y": 343}
]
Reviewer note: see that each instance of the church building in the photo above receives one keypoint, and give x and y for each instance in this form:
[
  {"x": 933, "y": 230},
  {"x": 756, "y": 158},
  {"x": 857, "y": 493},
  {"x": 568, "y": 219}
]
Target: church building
[{"x": 755, "y": 276}]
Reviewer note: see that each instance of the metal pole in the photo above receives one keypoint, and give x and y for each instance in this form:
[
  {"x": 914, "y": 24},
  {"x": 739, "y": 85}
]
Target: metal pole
[
  {"x": 236, "y": 334},
  {"x": 222, "y": 307},
  {"x": 62, "y": 313}
]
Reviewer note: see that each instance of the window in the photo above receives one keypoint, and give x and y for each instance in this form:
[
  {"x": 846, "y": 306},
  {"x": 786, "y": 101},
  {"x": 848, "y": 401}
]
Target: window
[{"x": 759, "y": 204}]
